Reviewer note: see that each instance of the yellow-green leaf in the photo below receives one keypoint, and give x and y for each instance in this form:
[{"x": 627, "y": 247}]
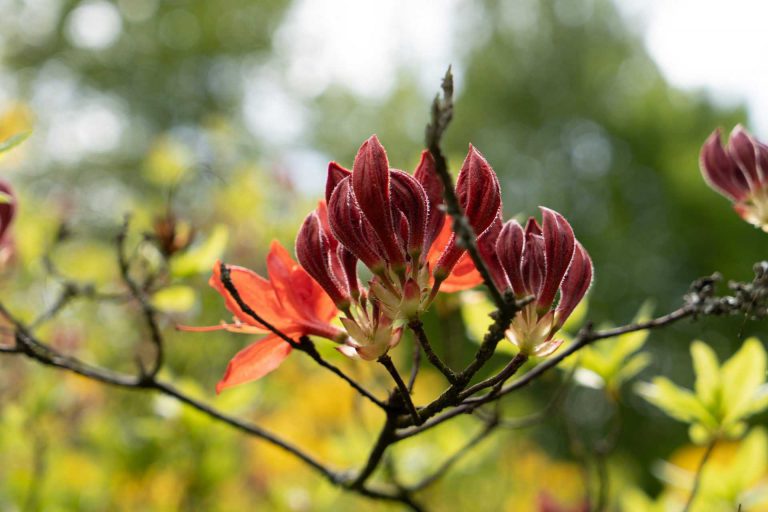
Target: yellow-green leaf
[
  {"x": 201, "y": 258},
  {"x": 707, "y": 369},
  {"x": 676, "y": 402},
  {"x": 174, "y": 299},
  {"x": 13, "y": 141},
  {"x": 741, "y": 377}
]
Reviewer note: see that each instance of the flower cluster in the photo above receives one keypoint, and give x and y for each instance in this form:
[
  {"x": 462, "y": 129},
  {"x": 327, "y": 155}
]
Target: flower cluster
[
  {"x": 739, "y": 172},
  {"x": 390, "y": 220},
  {"x": 393, "y": 223},
  {"x": 538, "y": 261}
]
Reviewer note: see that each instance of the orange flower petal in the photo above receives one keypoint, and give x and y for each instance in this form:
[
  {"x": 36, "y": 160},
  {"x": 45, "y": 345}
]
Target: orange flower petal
[
  {"x": 254, "y": 361},
  {"x": 300, "y": 295},
  {"x": 463, "y": 276},
  {"x": 254, "y": 290}
]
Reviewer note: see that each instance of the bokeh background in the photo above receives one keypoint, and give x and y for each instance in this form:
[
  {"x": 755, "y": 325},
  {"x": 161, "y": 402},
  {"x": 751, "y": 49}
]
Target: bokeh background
[{"x": 225, "y": 114}]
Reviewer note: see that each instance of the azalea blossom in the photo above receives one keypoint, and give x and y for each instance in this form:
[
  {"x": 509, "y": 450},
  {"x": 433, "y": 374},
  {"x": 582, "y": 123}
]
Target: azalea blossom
[
  {"x": 739, "y": 172},
  {"x": 289, "y": 300},
  {"x": 539, "y": 261},
  {"x": 393, "y": 223}
]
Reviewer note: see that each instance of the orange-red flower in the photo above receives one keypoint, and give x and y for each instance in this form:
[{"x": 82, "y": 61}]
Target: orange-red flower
[{"x": 289, "y": 300}]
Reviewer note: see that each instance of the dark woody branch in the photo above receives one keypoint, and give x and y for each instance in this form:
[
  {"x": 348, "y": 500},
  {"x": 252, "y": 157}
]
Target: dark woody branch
[{"x": 442, "y": 113}]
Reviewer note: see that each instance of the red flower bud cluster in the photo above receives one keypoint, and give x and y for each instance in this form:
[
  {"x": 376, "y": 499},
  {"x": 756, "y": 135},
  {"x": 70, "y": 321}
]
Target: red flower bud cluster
[
  {"x": 539, "y": 261},
  {"x": 390, "y": 221}
]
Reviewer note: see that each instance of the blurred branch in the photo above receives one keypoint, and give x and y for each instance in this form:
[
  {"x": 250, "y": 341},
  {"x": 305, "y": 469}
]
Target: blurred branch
[
  {"x": 699, "y": 472},
  {"x": 148, "y": 311},
  {"x": 489, "y": 427}
]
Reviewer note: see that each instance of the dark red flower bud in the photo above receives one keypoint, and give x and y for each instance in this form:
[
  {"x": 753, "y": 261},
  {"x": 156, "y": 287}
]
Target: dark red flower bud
[
  {"x": 533, "y": 263},
  {"x": 486, "y": 244},
  {"x": 720, "y": 171},
  {"x": 577, "y": 281},
  {"x": 371, "y": 185},
  {"x": 478, "y": 191},
  {"x": 426, "y": 174},
  {"x": 410, "y": 199},
  {"x": 348, "y": 263},
  {"x": 336, "y": 173},
  {"x": 509, "y": 249},
  {"x": 314, "y": 254},
  {"x": 351, "y": 228},
  {"x": 559, "y": 243}
]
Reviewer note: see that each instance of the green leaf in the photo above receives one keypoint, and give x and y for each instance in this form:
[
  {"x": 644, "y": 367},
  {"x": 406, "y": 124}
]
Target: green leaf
[
  {"x": 174, "y": 299},
  {"x": 13, "y": 141},
  {"x": 707, "y": 369},
  {"x": 632, "y": 367},
  {"x": 676, "y": 402},
  {"x": 201, "y": 258},
  {"x": 741, "y": 377}
]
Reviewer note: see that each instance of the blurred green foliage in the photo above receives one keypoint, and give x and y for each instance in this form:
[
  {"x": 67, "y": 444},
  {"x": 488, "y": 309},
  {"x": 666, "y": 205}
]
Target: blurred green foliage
[{"x": 561, "y": 98}]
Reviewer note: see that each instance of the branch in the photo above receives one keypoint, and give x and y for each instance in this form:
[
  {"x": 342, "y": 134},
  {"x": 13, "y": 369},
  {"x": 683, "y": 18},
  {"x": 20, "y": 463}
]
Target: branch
[
  {"x": 304, "y": 345},
  {"x": 587, "y": 337},
  {"x": 489, "y": 427},
  {"x": 423, "y": 341},
  {"x": 148, "y": 311},
  {"x": 402, "y": 389},
  {"x": 31, "y": 347},
  {"x": 415, "y": 367},
  {"x": 442, "y": 113}
]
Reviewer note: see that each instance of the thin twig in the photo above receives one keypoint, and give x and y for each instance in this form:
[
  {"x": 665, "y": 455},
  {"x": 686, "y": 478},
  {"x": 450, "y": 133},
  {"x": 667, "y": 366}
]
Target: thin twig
[
  {"x": 508, "y": 371},
  {"x": 699, "y": 472},
  {"x": 147, "y": 309},
  {"x": 423, "y": 341},
  {"x": 402, "y": 389},
  {"x": 586, "y": 337},
  {"x": 453, "y": 459},
  {"x": 415, "y": 367}
]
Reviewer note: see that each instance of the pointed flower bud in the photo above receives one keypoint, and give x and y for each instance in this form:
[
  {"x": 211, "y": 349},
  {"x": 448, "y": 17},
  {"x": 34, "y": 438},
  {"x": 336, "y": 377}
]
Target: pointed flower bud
[
  {"x": 739, "y": 172},
  {"x": 409, "y": 198},
  {"x": 542, "y": 261},
  {"x": 478, "y": 191},
  {"x": 352, "y": 229},
  {"x": 336, "y": 173},
  {"x": 314, "y": 254},
  {"x": 371, "y": 186},
  {"x": 426, "y": 175}
]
